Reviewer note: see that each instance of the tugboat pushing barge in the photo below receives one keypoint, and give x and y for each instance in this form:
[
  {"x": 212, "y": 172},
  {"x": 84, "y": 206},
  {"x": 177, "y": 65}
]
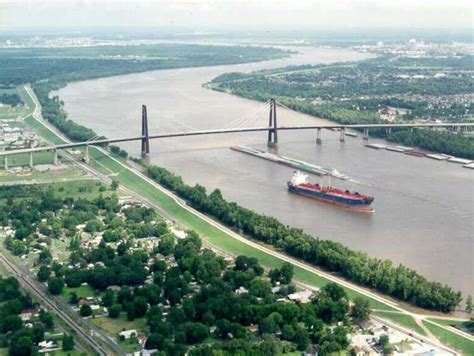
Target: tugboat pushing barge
[{"x": 345, "y": 199}]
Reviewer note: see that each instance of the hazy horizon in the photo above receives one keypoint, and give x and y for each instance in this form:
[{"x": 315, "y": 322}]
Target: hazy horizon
[{"x": 231, "y": 15}]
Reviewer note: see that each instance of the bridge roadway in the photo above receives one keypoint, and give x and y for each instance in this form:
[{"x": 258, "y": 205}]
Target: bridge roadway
[{"x": 234, "y": 130}]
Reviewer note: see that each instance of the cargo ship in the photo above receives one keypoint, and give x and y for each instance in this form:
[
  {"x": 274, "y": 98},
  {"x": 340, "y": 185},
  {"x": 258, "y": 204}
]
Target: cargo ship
[{"x": 299, "y": 184}]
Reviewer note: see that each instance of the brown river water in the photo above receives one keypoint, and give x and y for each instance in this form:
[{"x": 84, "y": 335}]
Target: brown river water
[{"x": 424, "y": 209}]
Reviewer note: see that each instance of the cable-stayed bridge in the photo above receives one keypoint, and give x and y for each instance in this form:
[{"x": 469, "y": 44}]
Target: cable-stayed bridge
[{"x": 240, "y": 126}]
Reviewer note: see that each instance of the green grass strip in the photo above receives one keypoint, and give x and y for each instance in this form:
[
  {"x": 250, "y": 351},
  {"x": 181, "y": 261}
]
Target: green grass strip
[
  {"x": 401, "y": 319},
  {"x": 457, "y": 342}
]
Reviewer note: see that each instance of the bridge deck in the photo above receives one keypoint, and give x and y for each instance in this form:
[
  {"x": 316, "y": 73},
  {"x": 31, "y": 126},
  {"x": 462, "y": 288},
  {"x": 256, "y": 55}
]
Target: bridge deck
[{"x": 224, "y": 131}]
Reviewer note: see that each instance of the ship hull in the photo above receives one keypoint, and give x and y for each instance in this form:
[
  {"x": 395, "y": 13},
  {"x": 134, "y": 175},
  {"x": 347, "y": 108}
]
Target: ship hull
[{"x": 360, "y": 205}]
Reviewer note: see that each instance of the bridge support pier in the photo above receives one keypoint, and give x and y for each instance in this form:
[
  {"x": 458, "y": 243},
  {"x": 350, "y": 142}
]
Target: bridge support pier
[
  {"x": 86, "y": 155},
  {"x": 342, "y": 136},
  {"x": 55, "y": 157},
  {"x": 318, "y": 136},
  {"x": 388, "y": 131},
  {"x": 6, "y": 162},
  {"x": 366, "y": 134},
  {"x": 145, "y": 136},
  {"x": 31, "y": 160},
  {"x": 272, "y": 124}
]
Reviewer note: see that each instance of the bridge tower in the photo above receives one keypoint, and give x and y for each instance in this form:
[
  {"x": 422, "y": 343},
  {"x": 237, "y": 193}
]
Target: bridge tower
[
  {"x": 272, "y": 124},
  {"x": 145, "y": 136}
]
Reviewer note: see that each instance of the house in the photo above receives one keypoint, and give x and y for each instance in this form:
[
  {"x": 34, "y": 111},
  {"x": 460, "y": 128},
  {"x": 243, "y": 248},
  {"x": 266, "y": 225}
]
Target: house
[
  {"x": 228, "y": 260},
  {"x": 241, "y": 290},
  {"x": 47, "y": 344},
  {"x": 127, "y": 334},
  {"x": 301, "y": 297},
  {"x": 27, "y": 314},
  {"x": 83, "y": 301}
]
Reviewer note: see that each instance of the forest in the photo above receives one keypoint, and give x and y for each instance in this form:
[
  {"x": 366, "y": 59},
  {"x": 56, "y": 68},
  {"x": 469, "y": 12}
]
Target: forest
[
  {"x": 22, "y": 65},
  {"x": 397, "y": 281},
  {"x": 10, "y": 99}
]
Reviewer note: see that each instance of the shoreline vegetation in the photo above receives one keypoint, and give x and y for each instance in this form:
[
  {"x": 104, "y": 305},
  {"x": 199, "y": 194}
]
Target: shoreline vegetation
[{"x": 399, "y": 282}]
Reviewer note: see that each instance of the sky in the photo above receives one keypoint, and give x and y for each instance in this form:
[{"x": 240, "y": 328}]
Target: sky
[{"x": 231, "y": 14}]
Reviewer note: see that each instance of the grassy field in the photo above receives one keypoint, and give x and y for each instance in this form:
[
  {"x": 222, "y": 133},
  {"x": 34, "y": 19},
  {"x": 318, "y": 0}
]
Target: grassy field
[
  {"x": 402, "y": 320},
  {"x": 23, "y": 159},
  {"x": 114, "y": 326},
  {"x": 70, "y": 172},
  {"x": 465, "y": 346},
  {"x": 81, "y": 291}
]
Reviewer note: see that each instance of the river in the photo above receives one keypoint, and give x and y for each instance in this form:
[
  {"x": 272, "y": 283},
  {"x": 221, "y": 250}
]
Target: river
[{"x": 424, "y": 214}]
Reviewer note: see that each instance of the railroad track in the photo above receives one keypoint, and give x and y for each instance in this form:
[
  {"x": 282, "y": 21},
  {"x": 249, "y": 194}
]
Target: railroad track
[{"x": 27, "y": 284}]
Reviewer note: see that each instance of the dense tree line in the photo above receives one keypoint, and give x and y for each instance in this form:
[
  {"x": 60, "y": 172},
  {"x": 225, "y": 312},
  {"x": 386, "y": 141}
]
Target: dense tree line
[
  {"x": 397, "y": 281},
  {"x": 52, "y": 109},
  {"x": 11, "y": 99},
  {"x": 437, "y": 141}
]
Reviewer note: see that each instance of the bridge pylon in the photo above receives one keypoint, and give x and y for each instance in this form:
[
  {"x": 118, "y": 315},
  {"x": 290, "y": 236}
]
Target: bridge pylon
[
  {"x": 272, "y": 124},
  {"x": 145, "y": 136}
]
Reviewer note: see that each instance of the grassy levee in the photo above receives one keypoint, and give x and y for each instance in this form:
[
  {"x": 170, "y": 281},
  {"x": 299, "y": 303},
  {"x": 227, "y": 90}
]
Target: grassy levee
[
  {"x": 457, "y": 342},
  {"x": 27, "y": 99},
  {"x": 401, "y": 319}
]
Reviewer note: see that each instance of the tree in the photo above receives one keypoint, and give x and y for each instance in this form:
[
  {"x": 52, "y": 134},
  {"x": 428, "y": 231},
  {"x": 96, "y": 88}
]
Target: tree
[
  {"x": 85, "y": 310},
  {"x": 287, "y": 273},
  {"x": 43, "y": 273},
  {"x": 195, "y": 332},
  {"x": 47, "y": 319},
  {"x": 301, "y": 339},
  {"x": 11, "y": 323},
  {"x": 114, "y": 311},
  {"x": 114, "y": 185},
  {"x": 44, "y": 257},
  {"x": 73, "y": 298},
  {"x": 22, "y": 347},
  {"x": 360, "y": 310},
  {"x": 55, "y": 285},
  {"x": 267, "y": 326},
  {"x": 469, "y": 304},
  {"x": 108, "y": 298},
  {"x": 68, "y": 342},
  {"x": 166, "y": 245}
]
